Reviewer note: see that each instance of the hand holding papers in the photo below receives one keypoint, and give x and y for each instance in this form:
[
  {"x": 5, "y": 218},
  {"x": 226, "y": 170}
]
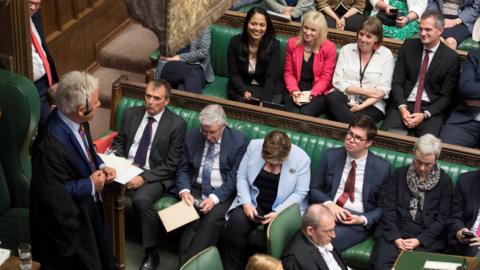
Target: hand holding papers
[
  {"x": 125, "y": 170},
  {"x": 177, "y": 215},
  {"x": 304, "y": 97}
]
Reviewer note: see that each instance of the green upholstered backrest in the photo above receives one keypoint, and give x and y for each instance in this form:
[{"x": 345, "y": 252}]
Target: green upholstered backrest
[
  {"x": 20, "y": 106},
  {"x": 4, "y": 193},
  {"x": 468, "y": 45},
  {"x": 208, "y": 259},
  {"x": 282, "y": 229}
]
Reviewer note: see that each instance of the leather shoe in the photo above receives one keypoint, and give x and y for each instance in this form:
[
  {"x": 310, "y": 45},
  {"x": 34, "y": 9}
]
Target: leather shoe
[{"x": 150, "y": 261}]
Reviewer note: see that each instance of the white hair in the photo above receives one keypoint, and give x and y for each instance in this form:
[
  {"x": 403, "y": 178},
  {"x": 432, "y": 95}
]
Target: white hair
[
  {"x": 74, "y": 89},
  {"x": 429, "y": 144},
  {"x": 211, "y": 114}
]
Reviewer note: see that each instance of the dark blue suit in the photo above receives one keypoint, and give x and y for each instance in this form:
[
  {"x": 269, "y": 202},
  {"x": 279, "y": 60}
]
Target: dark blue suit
[
  {"x": 42, "y": 83},
  {"x": 66, "y": 226},
  {"x": 206, "y": 231},
  {"x": 464, "y": 211},
  {"x": 461, "y": 128},
  {"x": 324, "y": 185}
]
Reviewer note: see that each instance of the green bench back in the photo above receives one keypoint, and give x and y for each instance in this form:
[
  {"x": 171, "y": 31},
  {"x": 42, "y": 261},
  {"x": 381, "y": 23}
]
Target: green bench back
[{"x": 313, "y": 145}]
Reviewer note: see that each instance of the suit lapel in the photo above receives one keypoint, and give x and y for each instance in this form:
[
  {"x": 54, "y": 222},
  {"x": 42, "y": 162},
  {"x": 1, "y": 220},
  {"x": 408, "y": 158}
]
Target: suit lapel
[
  {"x": 198, "y": 151},
  {"x": 338, "y": 172},
  {"x": 315, "y": 254},
  {"x": 435, "y": 63},
  {"x": 136, "y": 121},
  {"x": 299, "y": 58},
  {"x": 417, "y": 61},
  {"x": 369, "y": 171},
  {"x": 224, "y": 147},
  {"x": 162, "y": 128},
  {"x": 339, "y": 259}
]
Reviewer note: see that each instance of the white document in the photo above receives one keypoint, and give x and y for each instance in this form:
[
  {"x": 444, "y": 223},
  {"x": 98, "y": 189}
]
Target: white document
[
  {"x": 4, "y": 255},
  {"x": 441, "y": 265},
  {"x": 125, "y": 170},
  {"x": 177, "y": 215},
  {"x": 279, "y": 16}
]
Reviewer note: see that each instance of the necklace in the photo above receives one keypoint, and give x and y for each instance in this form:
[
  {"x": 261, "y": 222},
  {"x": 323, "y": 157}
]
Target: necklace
[
  {"x": 251, "y": 49},
  {"x": 309, "y": 50}
]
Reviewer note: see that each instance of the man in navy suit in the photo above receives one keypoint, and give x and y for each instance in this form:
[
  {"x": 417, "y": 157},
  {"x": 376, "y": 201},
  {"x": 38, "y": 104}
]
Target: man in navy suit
[
  {"x": 208, "y": 173},
  {"x": 66, "y": 222},
  {"x": 44, "y": 72},
  {"x": 349, "y": 181},
  {"x": 424, "y": 81},
  {"x": 465, "y": 215},
  {"x": 463, "y": 125}
]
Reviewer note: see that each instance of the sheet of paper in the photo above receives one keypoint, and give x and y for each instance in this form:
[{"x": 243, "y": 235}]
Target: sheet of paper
[
  {"x": 279, "y": 16},
  {"x": 177, "y": 215},
  {"x": 125, "y": 170},
  {"x": 441, "y": 265},
  {"x": 4, "y": 255},
  {"x": 304, "y": 97}
]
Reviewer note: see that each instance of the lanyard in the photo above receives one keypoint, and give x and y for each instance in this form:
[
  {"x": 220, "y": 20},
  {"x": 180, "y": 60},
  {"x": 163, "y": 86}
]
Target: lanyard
[{"x": 362, "y": 72}]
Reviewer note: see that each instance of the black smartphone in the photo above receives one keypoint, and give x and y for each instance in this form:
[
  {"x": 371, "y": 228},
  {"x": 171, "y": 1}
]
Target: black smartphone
[
  {"x": 260, "y": 218},
  {"x": 468, "y": 234},
  {"x": 393, "y": 11},
  {"x": 197, "y": 203}
]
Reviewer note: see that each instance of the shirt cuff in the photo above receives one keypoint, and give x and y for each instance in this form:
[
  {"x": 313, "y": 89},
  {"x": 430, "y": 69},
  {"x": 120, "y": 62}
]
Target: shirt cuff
[
  {"x": 365, "y": 220},
  {"x": 102, "y": 166},
  {"x": 327, "y": 203},
  {"x": 402, "y": 105},
  {"x": 214, "y": 198},
  {"x": 427, "y": 114},
  {"x": 93, "y": 187},
  {"x": 183, "y": 190}
]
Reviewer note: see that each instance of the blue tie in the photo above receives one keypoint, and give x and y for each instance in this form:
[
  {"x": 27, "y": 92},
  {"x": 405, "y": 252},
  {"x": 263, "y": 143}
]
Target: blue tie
[
  {"x": 207, "y": 170},
  {"x": 141, "y": 155}
]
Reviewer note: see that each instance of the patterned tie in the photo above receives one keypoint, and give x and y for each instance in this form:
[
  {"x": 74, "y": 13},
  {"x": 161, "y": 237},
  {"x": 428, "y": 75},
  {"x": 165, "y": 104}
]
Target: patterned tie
[
  {"x": 141, "y": 155},
  {"x": 40, "y": 52},
  {"x": 207, "y": 170},
  {"x": 81, "y": 131},
  {"x": 421, "y": 79},
  {"x": 349, "y": 190}
]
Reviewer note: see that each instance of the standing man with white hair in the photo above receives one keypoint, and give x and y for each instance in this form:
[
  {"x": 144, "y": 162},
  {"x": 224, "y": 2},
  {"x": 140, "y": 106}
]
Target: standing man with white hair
[
  {"x": 208, "y": 172},
  {"x": 66, "y": 219},
  {"x": 416, "y": 206}
]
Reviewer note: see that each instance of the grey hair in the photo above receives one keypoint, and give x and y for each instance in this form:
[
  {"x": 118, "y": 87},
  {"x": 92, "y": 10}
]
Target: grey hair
[
  {"x": 437, "y": 16},
  {"x": 74, "y": 89},
  {"x": 314, "y": 214},
  {"x": 213, "y": 113},
  {"x": 429, "y": 144}
]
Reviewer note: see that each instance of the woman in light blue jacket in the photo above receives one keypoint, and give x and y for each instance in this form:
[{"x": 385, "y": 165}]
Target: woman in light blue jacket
[{"x": 273, "y": 175}]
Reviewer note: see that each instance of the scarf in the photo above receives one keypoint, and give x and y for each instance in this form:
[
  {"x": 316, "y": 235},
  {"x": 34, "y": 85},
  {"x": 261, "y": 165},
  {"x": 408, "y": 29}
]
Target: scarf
[{"x": 418, "y": 187}]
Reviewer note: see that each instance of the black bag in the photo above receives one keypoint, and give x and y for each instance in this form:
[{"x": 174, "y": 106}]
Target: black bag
[{"x": 388, "y": 20}]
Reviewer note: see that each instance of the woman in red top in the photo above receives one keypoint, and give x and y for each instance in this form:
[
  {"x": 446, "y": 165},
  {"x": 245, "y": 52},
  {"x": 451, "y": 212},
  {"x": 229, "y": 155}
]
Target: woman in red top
[{"x": 309, "y": 65}]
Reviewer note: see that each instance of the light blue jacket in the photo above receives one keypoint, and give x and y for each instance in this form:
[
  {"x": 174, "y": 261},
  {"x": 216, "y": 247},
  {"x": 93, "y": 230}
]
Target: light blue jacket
[
  {"x": 294, "y": 180},
  {"x": 468, "y": 11}
]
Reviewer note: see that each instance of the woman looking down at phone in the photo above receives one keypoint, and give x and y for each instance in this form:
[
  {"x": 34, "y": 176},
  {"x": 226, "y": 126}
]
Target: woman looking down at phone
[
  {"x": 404, "y": 15},
  {"x": 273, "y": 175},
  {"x": 254, "y": 60},
  {"x": 309, "y": 64}
]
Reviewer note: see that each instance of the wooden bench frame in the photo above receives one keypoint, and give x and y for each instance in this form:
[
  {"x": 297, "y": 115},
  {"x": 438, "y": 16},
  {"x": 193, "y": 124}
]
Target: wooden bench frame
[{"x": 114, "y": 196}]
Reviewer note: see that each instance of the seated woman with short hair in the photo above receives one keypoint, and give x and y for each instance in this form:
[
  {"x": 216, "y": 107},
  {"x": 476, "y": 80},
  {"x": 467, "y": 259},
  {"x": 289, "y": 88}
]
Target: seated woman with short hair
[
  {"x": 190, "y": 67},
  {"x": 309, "y": 65},
  {"x": 292, "y": 8},
  {"x": 363, "y": 76},
  {"x": 342, "y": 14},
  {"x": 273, "y": 175},
  {"x": 254, "y": 60}
]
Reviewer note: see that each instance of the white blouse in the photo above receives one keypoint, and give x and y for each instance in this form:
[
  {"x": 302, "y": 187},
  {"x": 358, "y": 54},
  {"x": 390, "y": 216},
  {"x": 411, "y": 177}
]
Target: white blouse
[{"x": 378, "y": 73}]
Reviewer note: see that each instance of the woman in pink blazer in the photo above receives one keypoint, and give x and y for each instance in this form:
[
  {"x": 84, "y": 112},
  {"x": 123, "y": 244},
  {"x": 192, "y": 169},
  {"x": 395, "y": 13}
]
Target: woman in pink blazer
[{"x": 309, "y": 66}]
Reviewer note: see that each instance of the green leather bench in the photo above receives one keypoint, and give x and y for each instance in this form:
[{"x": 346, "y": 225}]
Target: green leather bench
[
  {"x": 357, "y": 256},
  {"x": 19, "y": 115}
]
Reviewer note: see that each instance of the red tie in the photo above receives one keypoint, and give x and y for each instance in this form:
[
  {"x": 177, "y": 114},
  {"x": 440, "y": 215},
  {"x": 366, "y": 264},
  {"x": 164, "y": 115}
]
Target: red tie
[
  {"x": 349, "y": 190},
  {"x": 421, "y": 79},
  {"x": 40, "y": 52}
]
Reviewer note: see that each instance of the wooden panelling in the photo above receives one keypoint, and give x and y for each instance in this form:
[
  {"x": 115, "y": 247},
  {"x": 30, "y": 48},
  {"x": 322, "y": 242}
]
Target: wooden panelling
[{"x": 73, "y": 27}]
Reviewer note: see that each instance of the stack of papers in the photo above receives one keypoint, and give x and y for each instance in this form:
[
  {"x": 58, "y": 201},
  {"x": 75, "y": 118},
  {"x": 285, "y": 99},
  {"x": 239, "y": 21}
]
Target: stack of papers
[
  {"x": 441, "y": 265},
  {"x": 125, "y": 170},
  {"x": 4, "y": 255},
  {"x": 279, "y": 16},
  {"x": 177, "y": 215}
]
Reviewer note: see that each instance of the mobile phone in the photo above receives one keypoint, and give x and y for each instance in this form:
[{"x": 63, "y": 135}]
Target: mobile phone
[
  {"x": 468, "y": 234},
  {"x": 393, "y": 10},
  {"x": 259, "y": 217},
  {"x": 197, "y": 203}
]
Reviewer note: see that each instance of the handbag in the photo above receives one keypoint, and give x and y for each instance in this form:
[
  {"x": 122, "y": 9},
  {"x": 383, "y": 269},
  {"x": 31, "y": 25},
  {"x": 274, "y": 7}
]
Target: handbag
[{"x": 388, "y": 20}]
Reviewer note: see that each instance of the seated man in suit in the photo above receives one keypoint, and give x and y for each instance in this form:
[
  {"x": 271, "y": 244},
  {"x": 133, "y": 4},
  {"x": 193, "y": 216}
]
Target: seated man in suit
[
  {"x": 152, "y": 137},
  {"x": 463, "y": 125},
  {"x": 311, "y": 248},
  {"x": 424, "y": 81},
  {"x": 416, "y": 207},
  {"x": 208, "y": 173},
  {"x": 349, "y": 181},
  {"x": 66, "y": 226},
  {"x": 465, "y": 216}
]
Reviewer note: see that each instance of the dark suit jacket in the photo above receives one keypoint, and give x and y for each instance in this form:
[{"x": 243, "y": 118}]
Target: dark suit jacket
[
  {"x": 37, "y": 21},
  {"x": 64, "y": 219},
  {"x": 468, "y": 88},
  {"x": 441, "y": 78},
  {"x": 266, "y": 73},
  {"x": 465, "y": 204},
  {"x": 167, "y": 145},
  {"x": 301, "y": 254},
  {"x": 324, "y": 185},
  {"x": 232, "y": 148},
  {"x": 436, "y": 210}
]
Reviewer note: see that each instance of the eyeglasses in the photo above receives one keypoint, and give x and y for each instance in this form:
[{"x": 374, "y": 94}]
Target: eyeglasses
[{"x": 356, "y": 138}]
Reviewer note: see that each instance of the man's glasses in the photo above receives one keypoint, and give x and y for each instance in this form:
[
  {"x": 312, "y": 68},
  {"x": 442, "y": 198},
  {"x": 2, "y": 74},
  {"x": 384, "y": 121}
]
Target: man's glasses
[{"x": 356, "y": 138}]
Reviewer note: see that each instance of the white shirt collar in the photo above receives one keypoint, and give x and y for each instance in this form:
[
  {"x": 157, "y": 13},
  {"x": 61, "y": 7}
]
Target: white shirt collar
[
  {"x": 434, "y": 49},
  {"x": 358, "y": 160},
  {"x": 156, "y": 116},
  {"x": 71, "y": 124}
]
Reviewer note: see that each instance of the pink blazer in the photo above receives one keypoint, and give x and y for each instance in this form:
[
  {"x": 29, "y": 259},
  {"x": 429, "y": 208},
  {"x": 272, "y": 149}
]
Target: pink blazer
[{"x": 323, "y": 66}]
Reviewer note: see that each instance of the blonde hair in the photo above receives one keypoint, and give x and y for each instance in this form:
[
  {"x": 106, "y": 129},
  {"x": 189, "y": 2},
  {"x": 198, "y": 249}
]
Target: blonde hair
[
  {"x": 263, "y": 262},
  {"x": 316, "y": 20}
]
